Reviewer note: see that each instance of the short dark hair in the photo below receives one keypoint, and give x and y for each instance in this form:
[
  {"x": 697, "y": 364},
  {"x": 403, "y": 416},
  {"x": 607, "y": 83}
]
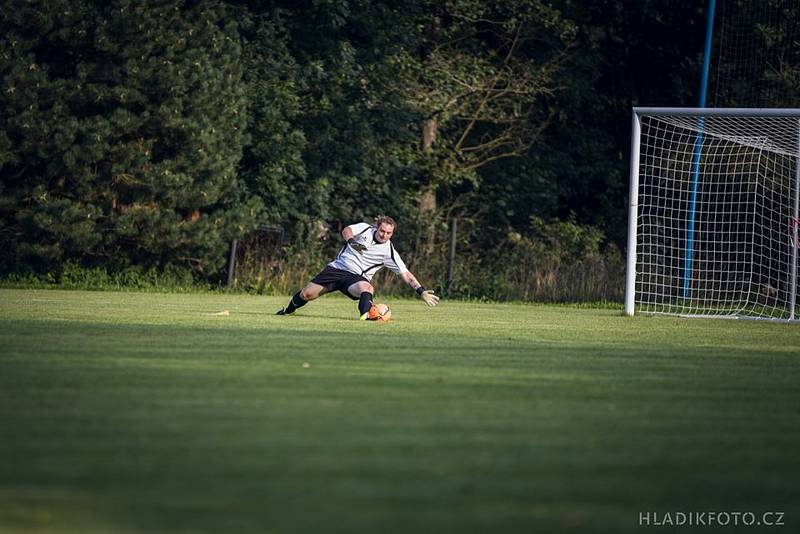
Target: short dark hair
[{"x": 384, "y": 219}]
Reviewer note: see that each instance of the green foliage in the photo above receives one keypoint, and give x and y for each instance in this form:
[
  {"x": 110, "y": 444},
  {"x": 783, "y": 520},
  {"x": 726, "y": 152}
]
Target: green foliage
[
  {"x": 556, "y": 261},
  {"x": 148, "y": 135},
  {"x": 133, "y": 278},
  {"x": 124, "y": 125},
  {"x": 360, "y": 158},
  {"x": 563, "y": 240},
  {"x": 265, "y": 265},
  {"x": 625, "y": 54},
  {"x": 552, "y": 261},
  {"x": 482, "y": 77},
  {"x": 765, "y": 73},
  {"x": 272, "y": 165}
]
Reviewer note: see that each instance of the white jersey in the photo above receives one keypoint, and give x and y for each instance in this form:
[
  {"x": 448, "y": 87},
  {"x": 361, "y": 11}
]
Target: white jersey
[{"x": 371, "y": 261}]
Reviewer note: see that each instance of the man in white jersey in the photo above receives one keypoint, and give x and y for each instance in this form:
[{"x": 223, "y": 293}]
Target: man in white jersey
[{"x": 368, "y": 249}]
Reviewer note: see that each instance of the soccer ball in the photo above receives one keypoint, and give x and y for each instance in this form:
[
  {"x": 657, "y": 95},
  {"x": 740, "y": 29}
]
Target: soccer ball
[{"x": 380, "y": 312}]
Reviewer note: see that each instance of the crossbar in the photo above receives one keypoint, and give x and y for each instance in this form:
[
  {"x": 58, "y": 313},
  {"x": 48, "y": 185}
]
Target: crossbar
[{"x": 718, "y": 112}]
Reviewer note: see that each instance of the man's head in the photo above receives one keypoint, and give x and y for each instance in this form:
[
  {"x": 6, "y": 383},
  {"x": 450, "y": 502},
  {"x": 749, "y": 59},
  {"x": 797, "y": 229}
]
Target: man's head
[{"x": 385, "y": 228}]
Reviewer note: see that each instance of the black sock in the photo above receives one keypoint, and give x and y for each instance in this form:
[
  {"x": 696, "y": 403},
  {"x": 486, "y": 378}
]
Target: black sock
[
  {"x": 296, "y": 302},
  {"x": 364, "y": 303}
]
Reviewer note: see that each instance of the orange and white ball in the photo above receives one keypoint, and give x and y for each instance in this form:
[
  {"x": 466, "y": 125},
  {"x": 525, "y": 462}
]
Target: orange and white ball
[{"x": 380, "y": 312}]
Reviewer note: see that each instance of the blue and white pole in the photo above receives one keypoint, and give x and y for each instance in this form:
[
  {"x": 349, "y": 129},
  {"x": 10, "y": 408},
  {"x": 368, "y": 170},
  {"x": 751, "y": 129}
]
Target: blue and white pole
[{"x": 698, "y": 150}]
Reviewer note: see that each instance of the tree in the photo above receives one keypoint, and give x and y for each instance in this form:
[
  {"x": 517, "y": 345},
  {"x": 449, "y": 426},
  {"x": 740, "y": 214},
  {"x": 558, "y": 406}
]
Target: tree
[
  {"x": 624, "y": 54},
  {"x": 358, "y": 157},
  {"x": 124, "y": 123},
  {"x": 272, "y": 165},
  {"x": 483, "y": 81}
]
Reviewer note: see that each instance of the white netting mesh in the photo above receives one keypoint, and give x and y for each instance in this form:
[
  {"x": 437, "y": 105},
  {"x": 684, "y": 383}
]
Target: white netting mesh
[
  {"x": 730, "y": 251},
  {"x": 756, "y": 52}
]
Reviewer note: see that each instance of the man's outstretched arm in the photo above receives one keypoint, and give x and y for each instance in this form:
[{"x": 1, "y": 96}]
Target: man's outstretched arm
[{"x": 425, "y": 294}]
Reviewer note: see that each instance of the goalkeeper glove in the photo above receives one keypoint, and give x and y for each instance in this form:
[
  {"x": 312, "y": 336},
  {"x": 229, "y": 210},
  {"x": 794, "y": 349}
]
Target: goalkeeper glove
[
  {"x": 355, "y": 245},
  {"x": 428, "y": 296}
]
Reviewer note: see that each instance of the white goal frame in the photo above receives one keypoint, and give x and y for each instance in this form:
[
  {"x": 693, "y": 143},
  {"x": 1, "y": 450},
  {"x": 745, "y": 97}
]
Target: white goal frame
[{"x": 632, "y": 303}]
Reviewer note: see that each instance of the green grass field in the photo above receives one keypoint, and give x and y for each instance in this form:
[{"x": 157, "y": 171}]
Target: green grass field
[{"x": 131, "y": 412}]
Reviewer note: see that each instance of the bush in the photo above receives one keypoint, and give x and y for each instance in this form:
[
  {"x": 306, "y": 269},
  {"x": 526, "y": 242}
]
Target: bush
[
  {"x": 75, "y": 276},
  {"x": 556, "y": 261}
]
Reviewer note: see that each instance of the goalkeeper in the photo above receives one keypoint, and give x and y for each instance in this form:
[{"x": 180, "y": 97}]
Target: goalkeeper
[{"x": 368, "y": 249}]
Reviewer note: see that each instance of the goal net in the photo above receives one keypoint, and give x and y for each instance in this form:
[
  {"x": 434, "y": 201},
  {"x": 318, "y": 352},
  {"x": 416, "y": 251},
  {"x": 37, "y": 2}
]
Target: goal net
[
  {"x": 713, "y": 221},
  {"x": 756, "y": 54}
]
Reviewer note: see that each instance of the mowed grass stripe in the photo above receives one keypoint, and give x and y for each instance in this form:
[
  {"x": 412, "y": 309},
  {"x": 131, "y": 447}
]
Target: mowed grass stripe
[{"x": 147, "y": 413}]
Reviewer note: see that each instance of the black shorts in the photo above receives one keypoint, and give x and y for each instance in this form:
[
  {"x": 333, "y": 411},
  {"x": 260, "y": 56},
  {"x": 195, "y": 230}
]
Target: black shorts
[{"x": 332, "y": 279}]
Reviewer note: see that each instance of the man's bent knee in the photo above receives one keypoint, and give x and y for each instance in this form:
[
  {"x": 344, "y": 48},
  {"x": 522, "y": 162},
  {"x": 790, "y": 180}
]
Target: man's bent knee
[
  {"x": 363, "y": 287},
  {"x": 360, "y": 287},
  {"x": 310, "y": 292}
]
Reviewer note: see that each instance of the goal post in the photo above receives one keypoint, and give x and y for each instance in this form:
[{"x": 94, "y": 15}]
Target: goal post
[{"x": 713, "y": 213}]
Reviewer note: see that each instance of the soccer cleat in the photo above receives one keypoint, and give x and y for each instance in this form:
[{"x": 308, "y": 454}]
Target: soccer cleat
[
  {"x": 366, "y": 317},
  {"x": 282, "y": 311}
]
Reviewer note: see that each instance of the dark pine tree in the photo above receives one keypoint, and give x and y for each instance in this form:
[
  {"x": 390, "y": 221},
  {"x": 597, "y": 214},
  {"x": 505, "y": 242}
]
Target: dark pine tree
[{"x": 122, "y": 128}]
